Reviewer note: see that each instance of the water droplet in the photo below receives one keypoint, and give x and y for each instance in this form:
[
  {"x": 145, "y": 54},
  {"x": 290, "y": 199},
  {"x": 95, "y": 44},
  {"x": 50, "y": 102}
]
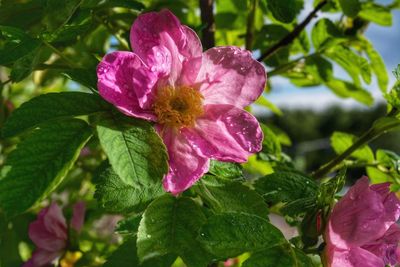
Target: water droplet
[
  {"x": 148, "y": 236},
  {"x": 153, "y": 68}
]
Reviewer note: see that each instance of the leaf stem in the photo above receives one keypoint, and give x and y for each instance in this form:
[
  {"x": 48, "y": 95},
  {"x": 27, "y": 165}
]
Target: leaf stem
[
  {"x": 289, "y": 38},
  {"x": 250, "y": 24},
  {"x": 208, "y": 22}
]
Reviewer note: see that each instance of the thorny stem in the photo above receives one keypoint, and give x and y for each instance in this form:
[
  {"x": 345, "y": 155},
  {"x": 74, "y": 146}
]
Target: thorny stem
[
  {"x": 208, "y": 22},
  {"x": 293, "y": 34},
  {"x": 250, "y": 24},
  {"x": 367, "y": 137}
]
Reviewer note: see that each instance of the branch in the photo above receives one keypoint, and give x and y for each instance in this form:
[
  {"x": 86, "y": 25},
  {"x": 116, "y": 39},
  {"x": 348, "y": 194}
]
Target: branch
[
  {"x": 294, "y": 34},
  {"x": 250, "y": 24},
  {"x": 207, "y": 20}
]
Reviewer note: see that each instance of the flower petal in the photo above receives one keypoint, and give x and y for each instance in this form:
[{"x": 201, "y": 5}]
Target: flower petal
[
  {"x": 126, "y": 82},
  {"x": 354, "y": 257},
  {"x": 78, "y": 216},
  {"x": 390, "y": 201},
  {"x": 41, "y": 257},
  {"x": 54, "y": 221},
  {"x": 225, "y": 133},
  {"x": 185, "y": 165},
  {"x": 386, "y": 247},
  {"x": 358, "y": 218},
  {"x": 164, "y": 29},
  {"x": 44, "y": 239},
  {"x": 229, "y": 75}
]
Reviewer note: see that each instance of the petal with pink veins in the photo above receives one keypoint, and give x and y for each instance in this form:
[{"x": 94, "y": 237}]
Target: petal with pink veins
[
  {"x": 185, "y": 165},
  {"x": 127, "y": 83},
  {"x": 225, "y": 133},
  {"x": 358, "y": 218},
  {"x": 164, "y": 29},
  {"x": 229, "y": 75}
]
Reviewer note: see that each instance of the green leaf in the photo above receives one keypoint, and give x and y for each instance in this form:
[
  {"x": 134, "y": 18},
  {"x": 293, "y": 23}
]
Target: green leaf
[
  {"x": 271, "y": 144},
  {"x": 320, "y": 67},
  {"x": 346, "y": 89},
  {"x": 352, "y": 63},
  {"x": 86, "y": 77},
  {"x": 396, "y": 72},
  {"x": 125, "y": 256},
  {"x": 131, "y": 4},
  {"x": 115, "y": 196},
  {"x": 263, "y": 101},
  {"x": 67, "y": 33},
  {"x": 377, "y": 66},
  {"x": 233, "y": 197},
  {"x": 17, "y": 44},
  {"x": 40, "y": 163},
  {"x": 285, "y": 186},
  {"x": 226, "y": 170},
  {"x": 376, "y": 13},
  {"x": 280, "y": 256},
  {"x": 134, "y": 149},
  {"x": 129, "y": 226},
  {"x": 284, "y": 10},
  {"x": 228, "y": 235},
  {"x": 341, "y": 141},
  {"x": 350, "y": 7},
  {"x": 52, "y": 107},
  {"x": 170, "y": 226},
  {"x": 58, "y": 13},
  {"x": 325, "y": 33}
]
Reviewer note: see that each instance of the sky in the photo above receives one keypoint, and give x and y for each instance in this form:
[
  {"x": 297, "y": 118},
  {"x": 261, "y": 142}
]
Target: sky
[{"x": 386, "y": 41}]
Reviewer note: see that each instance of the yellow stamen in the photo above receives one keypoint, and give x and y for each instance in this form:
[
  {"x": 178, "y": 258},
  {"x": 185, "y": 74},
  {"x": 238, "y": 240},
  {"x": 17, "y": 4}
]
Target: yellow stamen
[
  {"x": 178, "y": 107},
  {"x": 70, "y": 258}
]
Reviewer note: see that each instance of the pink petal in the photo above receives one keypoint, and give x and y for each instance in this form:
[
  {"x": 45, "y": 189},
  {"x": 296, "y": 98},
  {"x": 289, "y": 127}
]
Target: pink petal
[
  {"x": 42, "y": 258},
  {"x": 44, "y": 239},
  {"x": 353, "y": 257},
  {"x": 185, "y": 165},
  {"x": 226, "y": 133},
  {"x": 358, "y": 218},
  {"x": 390, "y": 201},
  {"x": 78, "y": 216},
  {"x": 164, "y": 29},
  {"x": 229, "y": 75},
  {"x": 386, "y": 247},
  {"x": 54, "y": 221},
  {"x": 126, "y": 82}
]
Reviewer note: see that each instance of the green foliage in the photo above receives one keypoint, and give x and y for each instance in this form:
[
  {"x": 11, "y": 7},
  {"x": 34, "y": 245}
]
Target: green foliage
[
  {"x": 231, "y": 234},
  {"x": 135, "y": 151},
  {"x": 230, "y": 197},
  {"x": 279, "y": 256},
  {"x": 376, "y": 13},
  {"x": 285, "y": 10},
  {"x": 169, "y": 226},
  {"x": 226, "y": 170},
  {"x": 51, "y": 107},
  {"x": 17, "y": 44},
  {"x": 40, "y": 163},
  {"x": 341, "y": 141},
  {"x": 116, "y": 196},
  {"x": 350, "y": 7}
]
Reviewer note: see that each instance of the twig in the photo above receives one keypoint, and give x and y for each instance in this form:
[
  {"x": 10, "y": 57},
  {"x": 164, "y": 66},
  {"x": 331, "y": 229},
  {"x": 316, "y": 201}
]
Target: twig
[
  {"x": 207, "y": 19},
  {"x": 250, "y": 24},
  {"x": 293, "y": 34},
  {"x": 367, "y": 137},
  {"x": 60, "y": 54}
]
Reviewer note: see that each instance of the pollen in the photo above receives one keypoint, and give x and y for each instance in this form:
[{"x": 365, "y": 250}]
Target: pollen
[{"x": 178, "y": 107}]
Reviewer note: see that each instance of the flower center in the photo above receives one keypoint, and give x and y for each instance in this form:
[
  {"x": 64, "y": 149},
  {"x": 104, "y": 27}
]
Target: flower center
[{"x": 178, "y": 107}]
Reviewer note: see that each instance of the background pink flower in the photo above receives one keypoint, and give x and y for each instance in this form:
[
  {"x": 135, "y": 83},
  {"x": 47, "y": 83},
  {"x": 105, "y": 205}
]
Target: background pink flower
[
  {"x": 50, "y": 233},
  {"x": 362, "y": 229},
  {"x": 196, "y": 99}
]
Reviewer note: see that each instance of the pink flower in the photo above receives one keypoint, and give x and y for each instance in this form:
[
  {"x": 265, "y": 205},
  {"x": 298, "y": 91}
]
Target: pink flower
[
  {"x": 50, "y": 233},
  {"x": 196, "y": 99},
  {"x": 362, "y": 229}
]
